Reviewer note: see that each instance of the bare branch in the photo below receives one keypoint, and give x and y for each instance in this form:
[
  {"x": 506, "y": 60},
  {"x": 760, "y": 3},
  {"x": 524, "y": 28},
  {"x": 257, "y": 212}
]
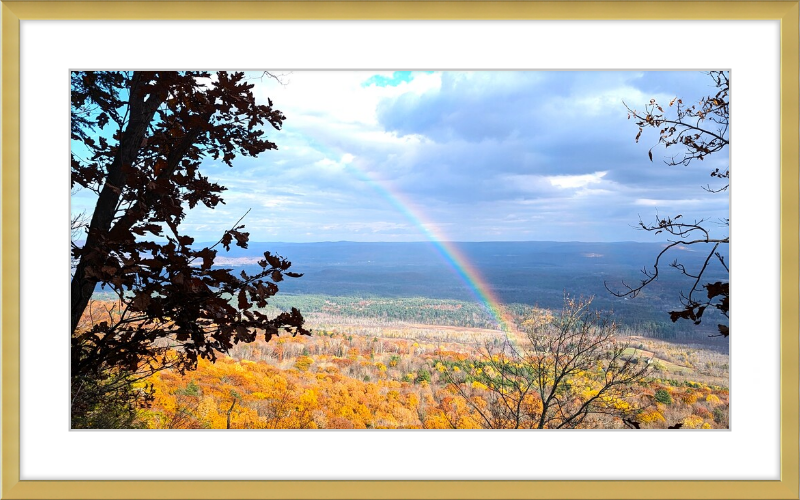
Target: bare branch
[{"x": 700, "y": 130}]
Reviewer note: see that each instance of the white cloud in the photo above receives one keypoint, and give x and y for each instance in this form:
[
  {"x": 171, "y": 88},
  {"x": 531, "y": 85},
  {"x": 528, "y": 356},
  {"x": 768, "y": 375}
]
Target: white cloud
[
  {"x": 337, "y": 97},
  {"x": 576, "y": 181},
  {"x": 465, "y": 150},
  {"x": 647, "y": 202},
  {"x": 325, "y": 162}
]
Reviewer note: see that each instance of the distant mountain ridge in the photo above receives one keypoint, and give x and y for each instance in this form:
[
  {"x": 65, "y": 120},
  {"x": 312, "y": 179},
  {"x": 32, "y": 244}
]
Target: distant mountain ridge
[{"x": 533, "y": 272}]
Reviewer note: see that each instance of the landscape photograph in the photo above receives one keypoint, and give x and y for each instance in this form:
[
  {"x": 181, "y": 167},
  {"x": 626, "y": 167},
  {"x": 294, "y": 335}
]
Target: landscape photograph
[{"x": 400, "y": 249}]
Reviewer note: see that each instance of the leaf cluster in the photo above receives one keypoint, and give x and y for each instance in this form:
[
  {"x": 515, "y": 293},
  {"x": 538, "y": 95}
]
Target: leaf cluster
[
  {"x": 138, "y": 141},
  {"x": 700, "y": 129}
]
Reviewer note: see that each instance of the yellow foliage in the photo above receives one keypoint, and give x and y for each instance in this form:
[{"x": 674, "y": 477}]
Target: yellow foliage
[
  {"x": 692, "y": 422},
  {"x": 478, "y": 385},
  {"x": 690, "y": 398},
  {"x": 532, "y": 404},
  {"x": 332, "y": 391},
  {"x": 436, "y": 420},
  {"x": 651, "y": 416},
  {"x": 303, "y": 363}
]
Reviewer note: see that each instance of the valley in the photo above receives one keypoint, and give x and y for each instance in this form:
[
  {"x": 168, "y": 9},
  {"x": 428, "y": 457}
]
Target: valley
[
  {"x": 403, "y": 338},
  {"x": 367, "y": 370}
]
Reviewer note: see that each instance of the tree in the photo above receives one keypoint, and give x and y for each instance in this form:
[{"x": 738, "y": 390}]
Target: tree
[
  {"x": 108, "y": 400},
  {"x": 138, "y": 142},
  {"x": 697, "y": 131},
  {"x": 564, "y": 372}
]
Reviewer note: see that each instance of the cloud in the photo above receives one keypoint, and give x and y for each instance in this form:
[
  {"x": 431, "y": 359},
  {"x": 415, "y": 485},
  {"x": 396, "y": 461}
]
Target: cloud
[
  {"x": 576, "y": 181},
  {"x": 656, "y": 203},
  {"x": 482, "y": 155}
]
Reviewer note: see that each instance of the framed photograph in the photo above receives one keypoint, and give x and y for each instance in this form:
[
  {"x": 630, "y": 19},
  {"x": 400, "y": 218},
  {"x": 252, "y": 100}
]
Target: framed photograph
[{"x": 431, "y": 155}]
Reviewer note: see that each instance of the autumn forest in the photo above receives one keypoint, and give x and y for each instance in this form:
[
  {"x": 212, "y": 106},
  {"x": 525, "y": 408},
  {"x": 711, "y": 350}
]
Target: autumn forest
[{"x": 186, "y": 315}]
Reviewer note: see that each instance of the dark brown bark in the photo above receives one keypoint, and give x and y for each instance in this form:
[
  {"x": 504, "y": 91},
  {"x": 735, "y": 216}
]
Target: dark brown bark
[
  {"x": 142, "y": 108},
  {"x": 145, "y": 177},
  {"x": 229, "y": 414}
]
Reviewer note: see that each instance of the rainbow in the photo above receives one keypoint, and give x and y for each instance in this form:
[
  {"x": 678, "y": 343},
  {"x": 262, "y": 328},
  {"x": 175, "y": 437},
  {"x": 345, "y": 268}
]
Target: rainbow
[{"x": 448, "y": 251}]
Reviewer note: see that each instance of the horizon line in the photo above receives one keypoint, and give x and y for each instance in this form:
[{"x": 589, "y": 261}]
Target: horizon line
[{"x": 443, "y": 241}]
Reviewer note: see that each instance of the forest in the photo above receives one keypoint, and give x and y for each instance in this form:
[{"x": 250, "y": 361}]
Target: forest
[
  {"x": 180, "y": 321},
  {"x": 413, "y": 363},
  {"x": 520, "y": 272}
]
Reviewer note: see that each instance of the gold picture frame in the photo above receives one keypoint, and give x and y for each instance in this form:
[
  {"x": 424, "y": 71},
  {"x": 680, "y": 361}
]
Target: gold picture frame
[{"x": 784, "y": 11}]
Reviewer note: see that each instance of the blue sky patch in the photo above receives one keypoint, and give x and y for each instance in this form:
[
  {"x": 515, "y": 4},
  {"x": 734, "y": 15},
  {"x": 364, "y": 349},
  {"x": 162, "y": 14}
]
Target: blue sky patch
[{"x": 396, "y": 79}]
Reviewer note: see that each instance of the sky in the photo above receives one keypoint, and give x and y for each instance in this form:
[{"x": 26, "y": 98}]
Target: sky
[{"x": 460, "y": 156}]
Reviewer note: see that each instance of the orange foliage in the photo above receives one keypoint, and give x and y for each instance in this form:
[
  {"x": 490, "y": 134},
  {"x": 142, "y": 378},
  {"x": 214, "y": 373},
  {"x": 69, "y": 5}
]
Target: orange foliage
[{"x": 349, "y": 385}]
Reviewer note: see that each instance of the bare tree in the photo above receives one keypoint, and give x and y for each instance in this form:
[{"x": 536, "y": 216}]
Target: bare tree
[
  {"x": 565, "y": 371},
  {"x": 697, "y": 131}
]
